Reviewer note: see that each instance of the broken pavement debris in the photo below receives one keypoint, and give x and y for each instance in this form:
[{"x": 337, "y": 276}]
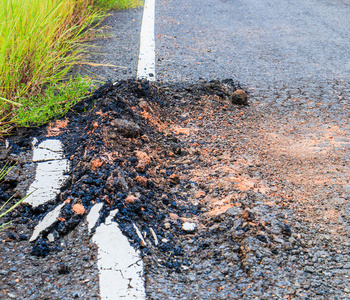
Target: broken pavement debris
[
  {"x": 239, "y": 97},
  {"x": 48, "y": 220}
]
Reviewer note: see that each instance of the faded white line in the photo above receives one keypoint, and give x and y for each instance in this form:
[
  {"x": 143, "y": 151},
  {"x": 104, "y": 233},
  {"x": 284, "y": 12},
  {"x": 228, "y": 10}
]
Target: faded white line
[
  {"x": 120, "y": 266},
  {"x": 48, "y": 220},
  {"x": 50, "y": 171},
  {"x": 93, "y": 215},
  {"x": 146, "y": 67}
]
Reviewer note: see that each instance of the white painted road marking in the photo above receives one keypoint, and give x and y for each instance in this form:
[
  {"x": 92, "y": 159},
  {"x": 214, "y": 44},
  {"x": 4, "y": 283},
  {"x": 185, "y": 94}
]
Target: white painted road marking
[
  {"x": 120, "y": 266},
  {"x": 146, "y": 68},
  {"x": 48, "y": 220},
  {"x": 50, "y": 171},
  {"x": 93, "y": 215}
]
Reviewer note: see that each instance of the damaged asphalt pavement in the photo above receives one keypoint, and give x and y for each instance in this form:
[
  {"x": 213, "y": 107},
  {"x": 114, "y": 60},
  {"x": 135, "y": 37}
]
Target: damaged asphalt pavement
[{"x": 220, "y": 197}]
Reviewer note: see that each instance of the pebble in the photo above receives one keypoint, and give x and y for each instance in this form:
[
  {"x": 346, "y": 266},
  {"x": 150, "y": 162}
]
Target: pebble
[
  {"x": 78, "y": 208},
  {"x": 239, "y": 97},
  {"x": 4, "y": 272},
  {"x": 291, "y": 240},
  {"x": 234, "y": 211},
  {"x": 23, "y": 237},
  {"x": 309, "y": 269},
  {"x": 278, "y": 240},
  {"x": 12, "y": 296},
  {"x": 189, "y": 227},
  {"x": 50, "y": 237},
  {"x": 62, "y": 268}
]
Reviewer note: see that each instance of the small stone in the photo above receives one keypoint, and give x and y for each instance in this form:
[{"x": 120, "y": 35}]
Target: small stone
[
  {"x": 14, "y": 269},
  {"x": 167, "y": 225},
  {"x": 199, "y": 194},
  {"x": 189, "y": 227},
  {"x": 96, "y": 163},
  {"x": 174, "y": 179},
  {"x": 173, "y": 216},
  {"x": 62, "y": 268},
  {"x": 78, "y": 208},
  {"x": 143, "y": 160},
  {"x": 50, "y": 237},
  {"x": 11, "y": 236},
  {"x": 40, "y": 248},
  {"x": 286, "y": 230},
  {"x": 346, "y": 290},
  {"x": 309, "y": 269},
  {"x": 145, "y": 138},
  {"x": 234, "y": 211},
  {"x": 126, "y": 128},
  {"x": 278, "y": 240},
  {"x": 142, "y": 180},
  {"x": 145, "y": 106},
  {"x": 12, "y": 296},
  {"x": 192, "y": 278},
  {"x": 239, "y": 97},
  {"x": 131, "y": 199},
  {"x": 23, "y": 237}
]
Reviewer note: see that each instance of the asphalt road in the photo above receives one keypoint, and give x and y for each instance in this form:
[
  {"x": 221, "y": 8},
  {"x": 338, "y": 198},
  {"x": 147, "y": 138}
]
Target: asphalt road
[
  {"x": 252, "y": 40},
  {"x": 277, "y": 50}
]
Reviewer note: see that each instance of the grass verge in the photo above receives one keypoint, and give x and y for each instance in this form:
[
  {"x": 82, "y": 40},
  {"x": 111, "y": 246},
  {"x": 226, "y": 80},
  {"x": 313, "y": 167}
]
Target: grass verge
[{"x": 40, "y": 41}]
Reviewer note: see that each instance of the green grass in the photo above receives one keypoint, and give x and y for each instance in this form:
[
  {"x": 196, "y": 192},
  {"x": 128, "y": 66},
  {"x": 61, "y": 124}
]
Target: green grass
[
  {"x": 120, "y": 4},
  {"x": 40, "y": 41},
  {"x": 3, "y": 210},
  {"x": 56, "y": 100}
]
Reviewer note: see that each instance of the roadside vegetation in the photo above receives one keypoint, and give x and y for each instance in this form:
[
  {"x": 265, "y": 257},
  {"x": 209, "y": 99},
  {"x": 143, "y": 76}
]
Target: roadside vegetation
[
  {"x": 40, "y": 41},
  {"x": 3, "y": 208}
]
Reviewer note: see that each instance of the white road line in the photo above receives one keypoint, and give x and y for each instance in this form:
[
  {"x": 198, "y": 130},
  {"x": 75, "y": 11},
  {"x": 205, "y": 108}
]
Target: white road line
[
  {"x": 93, "y": 215},
  {"x": 120, "y": 266},
  {"x": 50, "y": 171},
  {"x": 48, "y": 220},
  {"x": 147, "y": 66}
]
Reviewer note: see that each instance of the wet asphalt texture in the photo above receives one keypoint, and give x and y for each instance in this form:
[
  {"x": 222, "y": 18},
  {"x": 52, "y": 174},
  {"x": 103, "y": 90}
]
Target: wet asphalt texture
[{"x": 267, "y": 185}]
